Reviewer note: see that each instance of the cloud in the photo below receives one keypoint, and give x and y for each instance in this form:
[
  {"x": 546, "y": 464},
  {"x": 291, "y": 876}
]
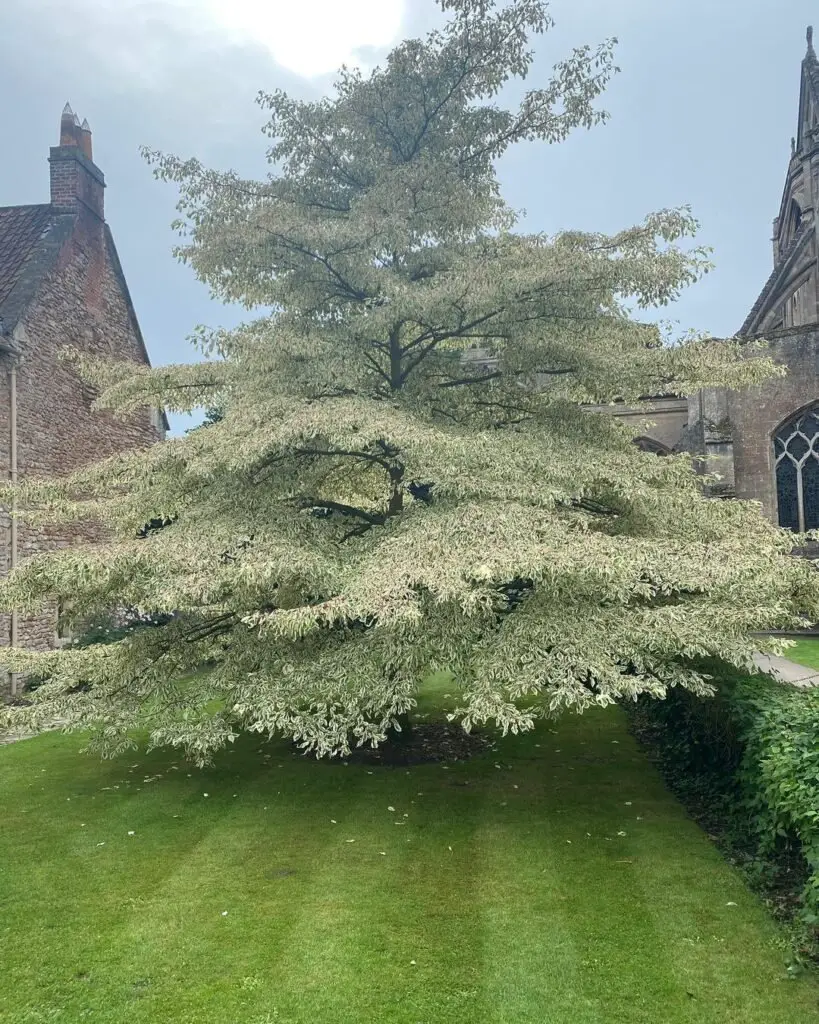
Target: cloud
[{"x": 309, "y": 38}]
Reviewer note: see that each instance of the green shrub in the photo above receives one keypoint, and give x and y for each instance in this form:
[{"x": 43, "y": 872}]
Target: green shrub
[{"x": 750, "y": 757}]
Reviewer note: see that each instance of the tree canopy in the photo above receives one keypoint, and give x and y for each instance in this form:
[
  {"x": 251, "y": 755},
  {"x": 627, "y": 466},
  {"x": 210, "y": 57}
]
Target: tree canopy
[{"x": 401, "y": 477}]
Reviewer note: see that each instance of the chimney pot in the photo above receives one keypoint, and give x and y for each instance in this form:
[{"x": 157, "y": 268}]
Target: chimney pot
[
  {"x": 76, "y": 183},
  {"x": 68, "y": 127},
  {"x": 84, "y": 138}
]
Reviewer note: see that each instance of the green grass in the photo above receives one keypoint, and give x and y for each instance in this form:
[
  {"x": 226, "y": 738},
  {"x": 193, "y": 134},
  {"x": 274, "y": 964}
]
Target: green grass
[
  {"x": 554, "y": 881},
  {"x": 805, "y": 652}
]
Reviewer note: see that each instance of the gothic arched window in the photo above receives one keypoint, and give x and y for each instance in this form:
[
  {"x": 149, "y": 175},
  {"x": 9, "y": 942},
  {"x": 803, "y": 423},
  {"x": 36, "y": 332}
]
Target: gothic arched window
[
  {"x": 795, "y": 219},
  {"x": 796, "y": 455},
  {"x": 795, "y": 312},
  {"x": 649, "y": 444}
]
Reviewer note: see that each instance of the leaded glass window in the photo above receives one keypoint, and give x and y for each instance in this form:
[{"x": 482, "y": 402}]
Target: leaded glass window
[{"x": 796, "y": 453}]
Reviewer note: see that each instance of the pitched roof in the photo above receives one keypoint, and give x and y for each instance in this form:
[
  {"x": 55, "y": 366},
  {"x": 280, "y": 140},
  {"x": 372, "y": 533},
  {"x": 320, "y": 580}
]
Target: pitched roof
[
  {"x": 769, "y": 288},
  {"x": 21, "y": 227},
  {"x": 30, "y": 241},
  {"x": 31, "y": 238}
]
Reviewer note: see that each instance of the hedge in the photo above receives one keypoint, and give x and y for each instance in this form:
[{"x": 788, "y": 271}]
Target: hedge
[{"x": 748, "y": 758}]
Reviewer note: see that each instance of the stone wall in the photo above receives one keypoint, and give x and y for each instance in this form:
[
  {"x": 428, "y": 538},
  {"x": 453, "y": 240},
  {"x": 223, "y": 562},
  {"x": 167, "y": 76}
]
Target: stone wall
[
  {"x": 660, "y": 419},
  {"x": 83, "y": 303},
  {"x": 5, "y": 520},
  {"x": 756, "y": 413}
]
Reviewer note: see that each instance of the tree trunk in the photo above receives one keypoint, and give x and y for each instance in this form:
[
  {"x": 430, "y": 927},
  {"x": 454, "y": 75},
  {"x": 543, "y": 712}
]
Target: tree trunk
[{"x": 394, "y": 736}]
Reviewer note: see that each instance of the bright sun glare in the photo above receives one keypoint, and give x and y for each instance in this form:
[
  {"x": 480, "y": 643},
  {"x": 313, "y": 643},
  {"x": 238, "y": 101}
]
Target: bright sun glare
[{"x": 310, "y": 37}]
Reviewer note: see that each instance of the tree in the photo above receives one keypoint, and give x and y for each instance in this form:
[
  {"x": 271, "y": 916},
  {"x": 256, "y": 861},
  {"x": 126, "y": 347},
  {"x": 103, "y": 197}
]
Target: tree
[
  {"x": 212, "y": 415},
  {"x": 403, "y": 478}
]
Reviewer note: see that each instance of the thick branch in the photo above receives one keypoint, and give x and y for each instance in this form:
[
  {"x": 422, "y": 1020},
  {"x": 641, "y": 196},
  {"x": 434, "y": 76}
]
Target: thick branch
[
  {"x": 321, "y": 453},
  {"x": 373, "y": 518}
]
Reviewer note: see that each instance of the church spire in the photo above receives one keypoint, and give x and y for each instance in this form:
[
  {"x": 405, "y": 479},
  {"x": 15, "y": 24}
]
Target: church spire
[
  {"x": 808, "y": 97},
  {"x": 790, "y": 298}
]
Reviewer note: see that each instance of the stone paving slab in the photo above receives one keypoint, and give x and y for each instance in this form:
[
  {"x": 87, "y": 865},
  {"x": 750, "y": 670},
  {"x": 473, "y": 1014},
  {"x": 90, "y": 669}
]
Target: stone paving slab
[{"x": 787, "y": 671}]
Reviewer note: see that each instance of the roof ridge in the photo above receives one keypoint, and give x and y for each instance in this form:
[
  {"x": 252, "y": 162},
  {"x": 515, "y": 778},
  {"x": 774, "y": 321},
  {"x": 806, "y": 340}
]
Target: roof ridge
[
  {"x": 24, "y": 206},
  {"x": 797, "y": 239}
]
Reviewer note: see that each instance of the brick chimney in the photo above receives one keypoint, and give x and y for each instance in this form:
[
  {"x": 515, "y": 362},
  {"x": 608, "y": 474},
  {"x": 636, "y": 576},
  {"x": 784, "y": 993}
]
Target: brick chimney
[{"x": 76, "y": 182}]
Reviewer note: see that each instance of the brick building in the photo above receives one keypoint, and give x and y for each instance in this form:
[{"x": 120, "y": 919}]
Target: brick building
[
  {"x": 61, "y": 283},
  {"x": 764, "y": 441}
]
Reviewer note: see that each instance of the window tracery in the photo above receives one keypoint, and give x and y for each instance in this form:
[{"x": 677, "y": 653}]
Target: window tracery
[{"x": 796, "y": 455}]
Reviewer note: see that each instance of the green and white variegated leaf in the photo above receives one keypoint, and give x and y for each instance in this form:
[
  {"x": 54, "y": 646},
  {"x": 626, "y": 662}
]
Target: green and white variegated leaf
[{"x": 400, "y": 478}]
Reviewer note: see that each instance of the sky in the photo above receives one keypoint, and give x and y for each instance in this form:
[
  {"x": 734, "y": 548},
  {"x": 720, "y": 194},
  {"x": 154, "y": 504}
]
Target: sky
[{"x": 702, "y": 114}]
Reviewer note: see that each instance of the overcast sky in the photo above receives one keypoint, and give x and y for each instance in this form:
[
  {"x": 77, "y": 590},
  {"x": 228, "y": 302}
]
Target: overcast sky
[{"x": 702, "y": 113}]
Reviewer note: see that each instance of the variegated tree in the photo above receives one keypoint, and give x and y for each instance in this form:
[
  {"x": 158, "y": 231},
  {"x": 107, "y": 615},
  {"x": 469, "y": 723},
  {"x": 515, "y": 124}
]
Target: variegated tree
[{"x": 403, "y": 478}]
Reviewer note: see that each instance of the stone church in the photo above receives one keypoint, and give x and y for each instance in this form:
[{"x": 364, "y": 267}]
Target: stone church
[
  {"x": 61, "y": 283},
  {"x": 764, "y": 441}
]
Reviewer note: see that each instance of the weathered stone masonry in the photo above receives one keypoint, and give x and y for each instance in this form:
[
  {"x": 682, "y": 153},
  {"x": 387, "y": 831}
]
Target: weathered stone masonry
[
  {"x": 737, "y": 430},
  {"x": 61, "y": 283}
]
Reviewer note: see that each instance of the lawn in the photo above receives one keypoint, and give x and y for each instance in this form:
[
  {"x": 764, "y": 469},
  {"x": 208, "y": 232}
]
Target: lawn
[
  {"x": 805, "y": 652},
  {"x": 554, "y": 881}
]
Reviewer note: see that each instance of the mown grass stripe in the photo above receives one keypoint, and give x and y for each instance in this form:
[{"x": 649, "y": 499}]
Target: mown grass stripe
[{"x": 526, "y": 918}]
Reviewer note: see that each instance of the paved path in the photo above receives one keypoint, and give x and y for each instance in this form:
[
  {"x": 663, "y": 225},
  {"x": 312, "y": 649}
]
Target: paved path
[
  {"x": 787, "y": 671},
  {"x": 12, "y": 737}
]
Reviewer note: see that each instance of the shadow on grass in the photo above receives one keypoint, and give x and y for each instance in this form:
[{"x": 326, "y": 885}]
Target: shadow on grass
[{"x": 551, "y": 879}]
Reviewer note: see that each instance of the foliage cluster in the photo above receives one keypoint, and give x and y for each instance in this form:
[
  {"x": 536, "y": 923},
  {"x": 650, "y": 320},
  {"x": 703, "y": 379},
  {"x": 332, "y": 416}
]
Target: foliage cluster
[
  {"x": 401, "y": 474},
  {"x": 747, "y": 764}
]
